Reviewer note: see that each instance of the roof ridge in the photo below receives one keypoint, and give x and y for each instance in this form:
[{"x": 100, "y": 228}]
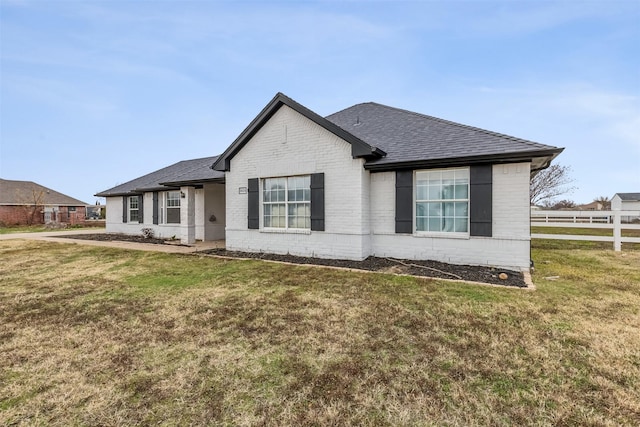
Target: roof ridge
[
  {"x": 199, "y": 158},
  {"x": 457, "y": 124},
  {"x": 21, "y": 180},
  {"x": 354, "y": 105}
]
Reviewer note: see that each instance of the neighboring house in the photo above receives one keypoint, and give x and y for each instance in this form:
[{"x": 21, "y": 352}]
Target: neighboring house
[
  {"x": 368, "y": 180},
  {"x": 25, "y": 203},
  {"x": 593, "y": 206},
  {"x": 184, "y": 200},
  {"x": 626, "y": 202}
]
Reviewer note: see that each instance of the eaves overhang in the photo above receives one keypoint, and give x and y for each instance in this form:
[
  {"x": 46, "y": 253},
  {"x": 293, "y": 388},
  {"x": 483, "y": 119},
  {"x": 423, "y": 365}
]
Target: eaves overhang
[
  {"x": 544, "y": 156},
  {"x": 119, "y": 193},
  {"x": 194, "y": 182},
  {"x": 43, "y": 204},
  {"x": 164, "y": 186},
  {"x": 359, "y": 148}
]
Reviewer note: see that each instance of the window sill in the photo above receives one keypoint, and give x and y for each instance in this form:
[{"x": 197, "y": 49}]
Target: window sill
[
  {"x": 285, "y": 230},
  {"x": 461, "y": 236}
]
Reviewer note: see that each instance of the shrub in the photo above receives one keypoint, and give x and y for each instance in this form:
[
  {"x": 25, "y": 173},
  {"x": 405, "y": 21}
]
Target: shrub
[{"x": 148, "y": 233}]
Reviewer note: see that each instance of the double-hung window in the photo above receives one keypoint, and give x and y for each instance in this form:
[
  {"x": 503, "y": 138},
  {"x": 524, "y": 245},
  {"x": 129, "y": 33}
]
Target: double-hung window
[
  {"x": 442, "y": 200},
  {"x": 134, "y": 209},
  {"x": 170, "y": 208},
  {"x": 286, "y": 202}
]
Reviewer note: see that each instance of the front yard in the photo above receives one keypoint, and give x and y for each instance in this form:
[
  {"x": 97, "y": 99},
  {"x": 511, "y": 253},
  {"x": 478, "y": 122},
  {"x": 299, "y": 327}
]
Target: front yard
[
  {"x": 94, "y": 336},
  {"x": 39, "y": 228}
]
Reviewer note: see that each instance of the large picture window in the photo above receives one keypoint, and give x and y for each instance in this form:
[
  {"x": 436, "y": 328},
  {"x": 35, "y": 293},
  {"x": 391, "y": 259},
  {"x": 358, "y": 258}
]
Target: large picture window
[
  {"x": 170, "y": 208},
  {"x": 287, "y": 202},
  {"x": 442, "y": 200}
]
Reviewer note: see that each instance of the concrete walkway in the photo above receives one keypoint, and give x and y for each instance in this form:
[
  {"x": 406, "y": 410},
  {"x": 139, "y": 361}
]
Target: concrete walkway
[{"x": 56, "y": 236}]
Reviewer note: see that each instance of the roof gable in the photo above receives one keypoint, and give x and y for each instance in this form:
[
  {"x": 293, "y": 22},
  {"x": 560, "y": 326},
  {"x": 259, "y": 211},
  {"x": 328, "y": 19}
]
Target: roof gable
[
  {"x": 412, "y": 139},
  {"x": 26, "y": 192},
  {"x": 359, "y": 148},
  {"x": 186, "y": 172}
]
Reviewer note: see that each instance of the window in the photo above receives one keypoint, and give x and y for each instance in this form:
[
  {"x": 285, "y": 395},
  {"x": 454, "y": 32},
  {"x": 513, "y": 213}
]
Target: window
[
  {"x": 442, "y": 201},
  {"x": 287, "y": 202},
  {"x": 133, "y": 209},
  {"x": 170, "y": 208}
]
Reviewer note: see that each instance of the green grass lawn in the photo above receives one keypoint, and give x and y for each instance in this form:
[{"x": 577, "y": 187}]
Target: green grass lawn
[
  {"x": 40, "y": 228},
  {"x": 95, "y": 336},
  {"x": 23, "y": 229},
  {"x": 581, "y": 244},
  {"x": 583, "y": 231}
]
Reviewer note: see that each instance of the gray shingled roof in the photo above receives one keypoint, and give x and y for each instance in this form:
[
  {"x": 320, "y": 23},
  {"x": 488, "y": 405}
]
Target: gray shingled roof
[
  {"x": 25, "y": 192},
  {"x": 409, "y": 137},
  {"x": 193, "y": 172},
  {"x": 390, "y": 138},
  {"x": 629, "y": 197}
]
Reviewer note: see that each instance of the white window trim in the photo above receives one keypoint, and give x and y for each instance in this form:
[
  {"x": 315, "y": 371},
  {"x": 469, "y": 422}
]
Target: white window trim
[
  {"x": 162, "y": 209},
  {"x": 137, "y": 209},
  {"x": 442, "y": 234},
  {"x": 286, "y": 228}
]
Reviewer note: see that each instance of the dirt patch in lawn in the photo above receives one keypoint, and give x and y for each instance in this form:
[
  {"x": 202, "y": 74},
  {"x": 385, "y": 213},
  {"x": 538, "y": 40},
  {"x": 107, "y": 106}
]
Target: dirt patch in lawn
[{"x": 433, "y": 269}]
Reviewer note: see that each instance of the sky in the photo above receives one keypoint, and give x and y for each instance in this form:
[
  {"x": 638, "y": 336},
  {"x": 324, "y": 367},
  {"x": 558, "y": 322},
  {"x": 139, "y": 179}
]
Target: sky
[{"x": 94, "y": 94}]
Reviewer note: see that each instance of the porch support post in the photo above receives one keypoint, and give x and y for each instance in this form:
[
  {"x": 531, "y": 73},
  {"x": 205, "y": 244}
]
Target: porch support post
[{"x": 187, "y": 215}]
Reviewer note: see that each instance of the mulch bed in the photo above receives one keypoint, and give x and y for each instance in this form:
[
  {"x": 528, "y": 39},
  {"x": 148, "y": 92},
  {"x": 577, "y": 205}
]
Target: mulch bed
[
  {"x": 432, "y": 269},
  {"x": 116, "y": 237}
]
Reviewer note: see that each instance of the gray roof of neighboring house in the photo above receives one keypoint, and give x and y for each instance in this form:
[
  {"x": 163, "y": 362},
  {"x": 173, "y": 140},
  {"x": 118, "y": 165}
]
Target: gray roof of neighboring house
[
  {"x": 390, "y": 138},
  {"x": 28, "y": 192},
  {"x": 629, "y": 197},
  {"x": 415, "y": 139},
  {"x": 186, "y": 172}
]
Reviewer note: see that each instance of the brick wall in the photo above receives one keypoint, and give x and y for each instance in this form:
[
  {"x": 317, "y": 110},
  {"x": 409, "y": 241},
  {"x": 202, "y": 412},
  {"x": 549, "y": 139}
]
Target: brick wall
[
  {"x": 509, "y": 247},
  {"x": 290, "y": 144},
  {"x": 72, "y": 215},
  {"x": 19, "y": 215},
  {"x": 212, "y": 193}
]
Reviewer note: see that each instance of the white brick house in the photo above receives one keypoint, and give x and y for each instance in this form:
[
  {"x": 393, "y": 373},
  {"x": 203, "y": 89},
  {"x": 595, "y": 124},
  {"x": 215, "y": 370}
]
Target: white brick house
[
  {"x": 370, "y": 180},
  {"x": 184, "y": 200},
  {"x": 388, "y": 182}
]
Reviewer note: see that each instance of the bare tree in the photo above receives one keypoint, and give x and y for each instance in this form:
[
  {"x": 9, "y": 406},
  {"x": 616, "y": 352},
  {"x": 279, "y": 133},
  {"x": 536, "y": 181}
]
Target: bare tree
[
  {"x": 32, "y": 203},
  {"x": 550, "y": 183},
  {"x": 557, "y": 205},
  {"x": 604, "y": 201}
]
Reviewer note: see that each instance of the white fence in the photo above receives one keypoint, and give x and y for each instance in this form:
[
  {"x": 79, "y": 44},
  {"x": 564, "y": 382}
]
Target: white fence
[{"x": 588, "y": 219}]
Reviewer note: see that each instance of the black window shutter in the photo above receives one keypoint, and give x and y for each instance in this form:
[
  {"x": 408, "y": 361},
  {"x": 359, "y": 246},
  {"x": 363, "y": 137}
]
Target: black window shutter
[
  {"x": 125, "y": 208},
  {"x": 404, "y": 201},
  {"x": 155, "y": 207},
  {"x": 480, "y": 200},
  {"x": 253, "y": 190},
  {"x": 317, "y": 202},
  {"x": 141, "y": 208}
]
